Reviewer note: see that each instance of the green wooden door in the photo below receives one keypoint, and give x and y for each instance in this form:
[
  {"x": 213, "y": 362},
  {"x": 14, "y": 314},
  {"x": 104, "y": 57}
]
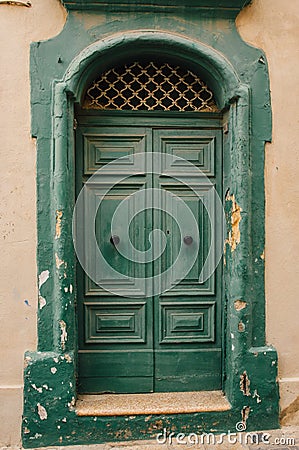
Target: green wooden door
[{"x": 129, "y": 342}]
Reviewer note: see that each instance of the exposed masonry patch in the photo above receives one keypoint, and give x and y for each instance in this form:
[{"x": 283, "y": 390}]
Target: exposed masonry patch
[
  {"x": 239, "y": 305},
  {"x": 234, "y": 236},
  {"x": 58, "y": 224},
  {"x": 244, "y": 384},
  {"x": 245, "y": 413},
  {"x": 63, "y": 336},
  {"x": 59, "y": 262},
  {"x": 43, "y": 415}
]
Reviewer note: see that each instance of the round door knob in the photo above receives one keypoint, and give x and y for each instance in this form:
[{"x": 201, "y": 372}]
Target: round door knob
[
  {"x": 188, "y": 240},
  {"x": 115, "y": 240}
]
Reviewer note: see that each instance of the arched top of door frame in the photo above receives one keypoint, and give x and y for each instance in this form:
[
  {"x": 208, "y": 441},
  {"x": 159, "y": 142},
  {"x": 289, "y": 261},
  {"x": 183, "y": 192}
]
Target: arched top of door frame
[{"x": 215, "y": 69}]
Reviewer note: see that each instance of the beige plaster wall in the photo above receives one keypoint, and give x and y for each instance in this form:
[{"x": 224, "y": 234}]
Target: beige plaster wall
[
  {"x": 273, "y": 25},
  {"x": 270, "y": 24},
  {"x": 18, "y": 27}
]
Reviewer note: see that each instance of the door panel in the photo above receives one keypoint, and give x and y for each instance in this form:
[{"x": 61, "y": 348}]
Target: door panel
[
  {"x": 187, "y": 370},
  {"x": 188, "y": 341},
  {"x": 115, "y": 331},
  {"x": 116, "y": 371},
  {"x": 109, "y": 323},
  {"x": 101, "y": 147},
  {"x": 129, "y": 342},
  {"x": 187, "y": 322}
]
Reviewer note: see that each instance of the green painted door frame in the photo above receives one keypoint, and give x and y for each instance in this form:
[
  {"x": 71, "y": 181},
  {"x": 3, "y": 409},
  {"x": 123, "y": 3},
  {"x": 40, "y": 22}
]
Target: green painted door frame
[{"x": 238, "y": 74}]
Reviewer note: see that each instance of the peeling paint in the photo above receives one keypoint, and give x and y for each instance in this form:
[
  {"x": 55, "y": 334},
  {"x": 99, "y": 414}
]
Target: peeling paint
[
  {"x": 245, "y": 414},
  {"x": 239, "y": 305},
  {"x": 234, "y": 237},
  {"x": 36, "y": 436},
  {"x": 59, "y": 262},
  {"x": 53, "y": 370},
  {"x": 67, "y": 358},
  {"x": 41, "y": 410},
  {"x": 58, "y": 224},
  {"x": 262, "y": 256},
  {"x": 72, "y": 402},
  {"x": 241, "y": 327},
  {"x": 244, "y": 384},
  {"x": 42, "y": 302},
  {"x": 27, "y": 360},
  {"x": 63, "y": 337},
  {"x": 43, "y": 277},
  {"x": 40, "y": 390},
  {"x": 256, "y": 395}
]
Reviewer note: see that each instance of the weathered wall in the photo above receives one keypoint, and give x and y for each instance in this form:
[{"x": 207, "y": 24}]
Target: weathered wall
[
  {"x": 18, "y": 294},
  {"x": 272, "y": 25}
]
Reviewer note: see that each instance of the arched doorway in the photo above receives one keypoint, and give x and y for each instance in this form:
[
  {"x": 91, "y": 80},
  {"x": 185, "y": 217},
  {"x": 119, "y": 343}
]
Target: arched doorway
[
  {"x": 249, "y": 364},
  {"x": 171, "y": 339}
]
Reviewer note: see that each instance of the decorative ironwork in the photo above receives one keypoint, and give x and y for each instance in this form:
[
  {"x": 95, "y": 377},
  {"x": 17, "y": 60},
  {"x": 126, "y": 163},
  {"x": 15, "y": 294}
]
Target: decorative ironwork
[{"x": 150, "y": 86}]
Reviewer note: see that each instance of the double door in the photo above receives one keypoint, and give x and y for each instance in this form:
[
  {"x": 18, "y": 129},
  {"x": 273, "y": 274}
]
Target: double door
[{"x": 146, "y": 321}]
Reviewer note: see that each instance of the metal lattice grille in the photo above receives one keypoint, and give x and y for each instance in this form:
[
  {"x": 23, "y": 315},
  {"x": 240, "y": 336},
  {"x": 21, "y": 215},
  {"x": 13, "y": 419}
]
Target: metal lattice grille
[{"x": 150, "y": 86}]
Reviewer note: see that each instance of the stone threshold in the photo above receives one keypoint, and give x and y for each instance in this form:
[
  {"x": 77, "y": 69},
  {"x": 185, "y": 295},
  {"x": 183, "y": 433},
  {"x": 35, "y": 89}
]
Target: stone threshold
[{"x": 153, "y": 403}]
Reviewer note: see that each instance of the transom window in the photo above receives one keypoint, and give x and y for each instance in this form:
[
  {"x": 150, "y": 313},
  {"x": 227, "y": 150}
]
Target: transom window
[{"x": 149, "y": 86}]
